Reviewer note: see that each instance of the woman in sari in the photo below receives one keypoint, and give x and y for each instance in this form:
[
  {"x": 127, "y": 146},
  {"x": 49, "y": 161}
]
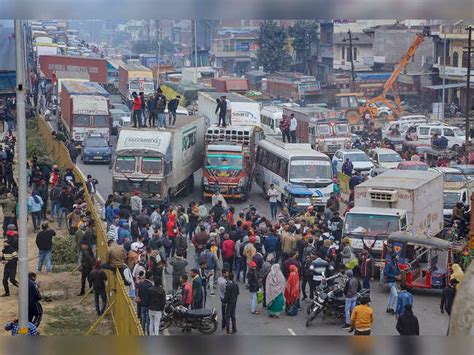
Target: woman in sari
[
  {"x": 274, "y": 288},
  {"x": 292, "y": 291}
]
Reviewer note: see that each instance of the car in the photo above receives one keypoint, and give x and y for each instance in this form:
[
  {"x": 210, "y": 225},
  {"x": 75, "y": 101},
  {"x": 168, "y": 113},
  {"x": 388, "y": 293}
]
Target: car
[
  {"x": 413, "y": 165},
  {"x": 359, "y": 159},
  {"x": 96, "y": 149},
  {"x": 466, "y": 169},
  {"x": 453, "y": 175},
  {"x": 116, "y": 115},
  {"x": 454, "y": 135},
  {"x": 125, "y": 121},
  {"x": 122, "y": 107},
  {"x": 385, "y": 158}
]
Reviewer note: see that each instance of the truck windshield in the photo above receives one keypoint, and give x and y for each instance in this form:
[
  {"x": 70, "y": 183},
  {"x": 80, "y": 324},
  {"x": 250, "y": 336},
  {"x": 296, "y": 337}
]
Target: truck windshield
[
  {"x": 81, "y": 120},
  {"x": 125, "y": 165},
  {"x": 151, "y": 166},
  {"x": 357, "y": 157},
  {"x": 323, "y": 130},
  {"x": 342, "y": 129},
  {"x": 450, "y": 199},
  {"x": 149, "y": 87},
  {"x": 455, "y": 178},
  {"x": 100, "y": 121},
  {"x": 224, "y": 161},
  {"x": 303, "y": 201},
  {"x": 309, "y": 168},
  {"x": 370, "y": 224}
]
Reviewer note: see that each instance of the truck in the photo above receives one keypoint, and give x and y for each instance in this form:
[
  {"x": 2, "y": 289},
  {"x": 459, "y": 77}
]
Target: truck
[
  {"x": 135, "y": 77},
  {"x": 95, "y": 67},
  {"x": 158, "y": 163},
  {"x": 229, "y": 161},
  {"x": 84, "y": 110},
  {"x": 241, "y": 111},
  {"x": 329, "y": 135},
  {"x": 396, "y": 200}
]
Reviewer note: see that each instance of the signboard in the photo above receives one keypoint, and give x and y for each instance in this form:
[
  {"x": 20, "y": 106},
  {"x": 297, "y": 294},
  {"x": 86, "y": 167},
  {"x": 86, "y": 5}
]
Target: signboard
[
  {"x": 242, "y": 47},
  {"x": 245, "y": 114},
  {"x": 150, "y": 142},
  {"x": 310, "y": 87}
]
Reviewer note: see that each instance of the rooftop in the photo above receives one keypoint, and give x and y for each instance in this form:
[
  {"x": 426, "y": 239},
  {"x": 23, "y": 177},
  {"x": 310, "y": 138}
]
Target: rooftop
[{"x": 401, "y": 179}]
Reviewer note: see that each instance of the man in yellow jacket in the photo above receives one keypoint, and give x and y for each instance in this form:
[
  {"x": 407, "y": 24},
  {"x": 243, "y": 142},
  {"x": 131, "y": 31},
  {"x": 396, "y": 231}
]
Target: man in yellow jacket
[{"x": 362, "y": 318}]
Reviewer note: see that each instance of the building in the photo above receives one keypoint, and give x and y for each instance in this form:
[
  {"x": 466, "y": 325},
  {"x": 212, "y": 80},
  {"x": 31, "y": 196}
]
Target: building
[
  {"x": 235, "y": 50},
  {"x": 361, "y": 54},
  {"x": 324, "y": 64}
]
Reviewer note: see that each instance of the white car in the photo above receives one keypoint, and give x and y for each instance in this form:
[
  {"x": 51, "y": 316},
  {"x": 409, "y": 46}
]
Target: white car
[
  {"x": 116, "y": 115},
  {"x": 358, "y": 158},
  {"x": 454, "y": 135},
  {"x": 385, "y": 158}
]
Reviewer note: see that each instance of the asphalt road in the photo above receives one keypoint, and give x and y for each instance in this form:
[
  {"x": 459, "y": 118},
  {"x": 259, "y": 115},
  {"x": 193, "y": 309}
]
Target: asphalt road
[{"x": 426, "y": 303}]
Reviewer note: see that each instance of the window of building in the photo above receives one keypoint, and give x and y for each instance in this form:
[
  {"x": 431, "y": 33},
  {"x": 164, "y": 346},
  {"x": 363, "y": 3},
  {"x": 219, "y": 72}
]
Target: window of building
[
  {"x": 349, "y": 54},
  {"x": 343, "y": 53},
  {"x": 455, "y": 59},
  {"x": 355, "y": 53}
]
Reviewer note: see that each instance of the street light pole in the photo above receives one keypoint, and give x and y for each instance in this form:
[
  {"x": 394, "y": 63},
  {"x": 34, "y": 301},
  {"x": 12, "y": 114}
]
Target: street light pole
[{"x": 22, "y": 223}]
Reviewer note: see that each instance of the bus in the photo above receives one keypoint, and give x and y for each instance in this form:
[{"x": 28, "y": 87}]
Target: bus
[
  {"x": 281, "y": 164},
  {"x": 270, "y": 117}
]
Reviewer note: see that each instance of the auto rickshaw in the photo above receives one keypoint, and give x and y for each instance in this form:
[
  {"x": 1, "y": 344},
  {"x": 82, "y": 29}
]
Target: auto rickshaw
[
  {"x": 433, "y": 156},
  {"x": 424, "y": 262},
  {"x": 396, "y": 143},
  {"x": 298, "y": 198},
  {"x": 410, "y": 147}
]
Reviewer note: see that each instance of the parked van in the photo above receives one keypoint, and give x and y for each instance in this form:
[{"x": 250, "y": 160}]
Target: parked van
[
  {"x": 402, "y": 124},
  {"x": 455, "y": 135}
]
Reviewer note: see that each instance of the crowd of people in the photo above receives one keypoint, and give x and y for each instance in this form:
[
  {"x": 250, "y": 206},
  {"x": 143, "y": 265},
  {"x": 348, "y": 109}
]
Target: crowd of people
[{"x": 152, "y": 109}]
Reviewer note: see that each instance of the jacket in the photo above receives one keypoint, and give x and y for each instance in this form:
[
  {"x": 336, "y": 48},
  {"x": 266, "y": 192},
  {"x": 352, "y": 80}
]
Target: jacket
[
  {"x": 221, "y": 108},
  {"x": 115, "y": 256},
  {"x": 44, "y": 239},
  {"x": 231, "y": 292},
  {"x": 391, "y": 271},
  {"x": 173, "y": 105},
  {"x": 179, "y": 266},
  {"x": 288, "y": 242},
  {"x": 87, "y": 261},
  {"x": 404, "y": 298},
  {"x": 407, "y": 324},
  {"x": 34, "y": 206},
  {"x": 137, "y": 103},
  {"x": 97, "y": 278},
  {"x": 362, "y": 317},
  {"x": 142, "y": 293},
  {"x": 253, "y": 281},
  {"x": 228, "y": 248},
  {"x": 367, "y": 268},
  {"x": 156, "y": 298},
  {"x": 8, "y": 206},
  {"x": 186, "y": 294},
  {"x": 160, "y": 103},
  {"x": 136, "y": 203},
  {"x": 271, "y": 243},
  {"x": 352, "y": 287}
]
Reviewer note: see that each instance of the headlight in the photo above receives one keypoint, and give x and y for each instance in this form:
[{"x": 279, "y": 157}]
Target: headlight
[
  {"x": 205, "y": 181},
  {"x": 77, "y": 136}
]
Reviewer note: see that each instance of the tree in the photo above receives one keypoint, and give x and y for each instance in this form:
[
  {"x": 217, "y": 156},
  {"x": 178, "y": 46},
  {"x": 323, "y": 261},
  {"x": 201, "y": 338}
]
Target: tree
[
  {"x": 143, "y": 46},
  {"x": 304, "y": 34},
  {"x": 273, "y": 54}
]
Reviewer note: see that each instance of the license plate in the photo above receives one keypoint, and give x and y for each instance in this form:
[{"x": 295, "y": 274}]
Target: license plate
[
  {"x": 359, "y": 244},
  {"x": 97, "y": 158}
]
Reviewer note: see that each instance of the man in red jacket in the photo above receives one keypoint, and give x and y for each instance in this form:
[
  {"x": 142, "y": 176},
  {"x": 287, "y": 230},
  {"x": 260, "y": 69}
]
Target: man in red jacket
[
  {"x": 228, "y": 251},
  {"x": 172, "y": 232},
  {"x": 137, "y": 110}
]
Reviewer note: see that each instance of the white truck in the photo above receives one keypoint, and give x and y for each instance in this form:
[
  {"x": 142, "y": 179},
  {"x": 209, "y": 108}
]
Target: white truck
[
  {"x": 158, "y": 163},
  {"x": 393, "y": 201}
]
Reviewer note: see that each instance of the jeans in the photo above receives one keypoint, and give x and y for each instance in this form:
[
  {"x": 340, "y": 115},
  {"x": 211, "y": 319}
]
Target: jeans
[
  {"x": 308, "y": 280},
  {"x": 62, "y": 211},
  {"x": 36, "y": 217},
  {"x": 286, "y": 136},
  {"x": 151, "y": 119},
  {"x": 238, "y": 267},
  {"x": 222, "y": 119},
  {"x": 154, "y": 319},
  {"x": 44, "y": 254},
  {"x": 230, "y": 315},
  {"x": 55, "y": 208},
  {"x": 392, "y": 298},
  {"x": 161, "y": 119},
  {"x": 366, "y": 282},
  {"x": 172, "y": 118},
  {"x": 211, "y": 281},
  {"x": 137, "y": 120},
  {"x": 103, "y": 296},
  {"x": 350, "y": 304},
  {"x": 11, "y": 125},
  {"x": 273, "y": 209},
  {"x": 223, "y": 309},
  {"x": 253, "y": 302},
  {"x": 145, "y": 320},
  {"x": 173, "y": 246},
  {"x": 85, "y": 276},
  {"x": 293, "y": 136}
]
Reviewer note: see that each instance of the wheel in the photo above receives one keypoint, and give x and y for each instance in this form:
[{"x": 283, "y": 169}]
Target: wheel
[
  {"x": 312, "y": 316},
  {"x": 309, "y": 309},
  {"x": 165, "y": 323},
  {"x": 209, "y": 326}
]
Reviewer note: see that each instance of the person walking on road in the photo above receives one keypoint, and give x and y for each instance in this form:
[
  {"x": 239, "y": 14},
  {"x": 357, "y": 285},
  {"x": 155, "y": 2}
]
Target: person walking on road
[
  {"x": 197, "y": 291},
  {"x": 293, "y": 126},
  {"x": 404, "y": 297},
  {"x": 407, "y": 323},
  {"x": 87, "y": 262},
  {"x": 35, "y": 204},
  {"x": 350, "y": 293},
  {"x": 44, "y": 242},
  {"x": 221, "y": 286},
  {"x": 292, "y": 291},
  {"x": 367, "y": 269},
  {"x": 391, "y": 273},
  {"x": 362, "y": 317},
  {"x": 231, "y": 295},
  {"x": 156, "y": 306},
  {"x": 97, "y": 278},
  {"x": 272, "y": 194},
  {"x": 274, "y": 289},
  {"x": 10, "y": 258}
]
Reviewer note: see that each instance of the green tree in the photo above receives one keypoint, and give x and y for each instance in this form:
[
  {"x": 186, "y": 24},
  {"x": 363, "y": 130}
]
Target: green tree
[
  {"x": 304, "y": 34},
  {"x": 273, "y": 54}
]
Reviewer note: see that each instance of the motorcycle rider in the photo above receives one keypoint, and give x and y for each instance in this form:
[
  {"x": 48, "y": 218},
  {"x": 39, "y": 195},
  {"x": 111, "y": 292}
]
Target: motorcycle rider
[{"x": 319, "y": 266}]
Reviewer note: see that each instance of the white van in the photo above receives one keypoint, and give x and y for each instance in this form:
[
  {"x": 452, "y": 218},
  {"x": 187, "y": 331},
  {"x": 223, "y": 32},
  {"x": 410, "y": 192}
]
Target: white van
[
  {"x": 270, "y": 117},
  {"x": 455, "y": 135},
  {"x": 402, "y": 124}
]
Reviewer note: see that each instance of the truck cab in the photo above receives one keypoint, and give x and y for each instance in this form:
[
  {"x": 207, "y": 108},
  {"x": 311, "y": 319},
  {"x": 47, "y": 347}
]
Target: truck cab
[{"x": 328, "y": 136}]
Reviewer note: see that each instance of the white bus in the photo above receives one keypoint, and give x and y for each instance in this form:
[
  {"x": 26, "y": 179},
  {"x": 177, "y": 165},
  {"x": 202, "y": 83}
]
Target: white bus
[
  {"x": 281, "y": 164},
  {"x": 270, "y": 117}
]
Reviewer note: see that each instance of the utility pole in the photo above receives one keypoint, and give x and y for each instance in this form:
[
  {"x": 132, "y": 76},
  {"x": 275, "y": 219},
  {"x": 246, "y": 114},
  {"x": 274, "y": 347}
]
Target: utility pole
[
  {"x": 468, "y": 90},
  {"x": 443, "y": 93},
  {"x": 351, "y": 55},
  {"x": 22, "y": 223}
]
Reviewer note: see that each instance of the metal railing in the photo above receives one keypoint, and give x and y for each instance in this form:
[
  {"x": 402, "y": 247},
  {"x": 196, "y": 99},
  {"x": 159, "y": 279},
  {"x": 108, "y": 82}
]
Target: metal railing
[{"x": 120, "y": 305}]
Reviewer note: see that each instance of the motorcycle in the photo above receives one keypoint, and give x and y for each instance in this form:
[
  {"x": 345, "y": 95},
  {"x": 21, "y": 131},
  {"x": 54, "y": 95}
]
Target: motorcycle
[
  {"x": 330, "y": 301},
  {"x": 204, "y": 320}
]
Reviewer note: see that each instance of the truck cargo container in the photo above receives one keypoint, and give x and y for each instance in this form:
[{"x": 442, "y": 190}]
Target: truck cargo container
[
  {"x": 84, "y": 110},
  {"x": 226, "y": 84},
  {"x": 289, "y": 85},
  {"x": 95, "y": 67},
  {"x": 241, "y": 111},
  {"x": 135, "y": 77},
  {"x": 395, "y": 200},
  {"x": 158, "y": 163}
]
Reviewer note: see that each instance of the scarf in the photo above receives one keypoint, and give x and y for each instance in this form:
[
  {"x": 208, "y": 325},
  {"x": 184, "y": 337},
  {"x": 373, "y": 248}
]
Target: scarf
[
  {"x": 292, "y": 290},
  {"x": 275, "y": 283}
]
